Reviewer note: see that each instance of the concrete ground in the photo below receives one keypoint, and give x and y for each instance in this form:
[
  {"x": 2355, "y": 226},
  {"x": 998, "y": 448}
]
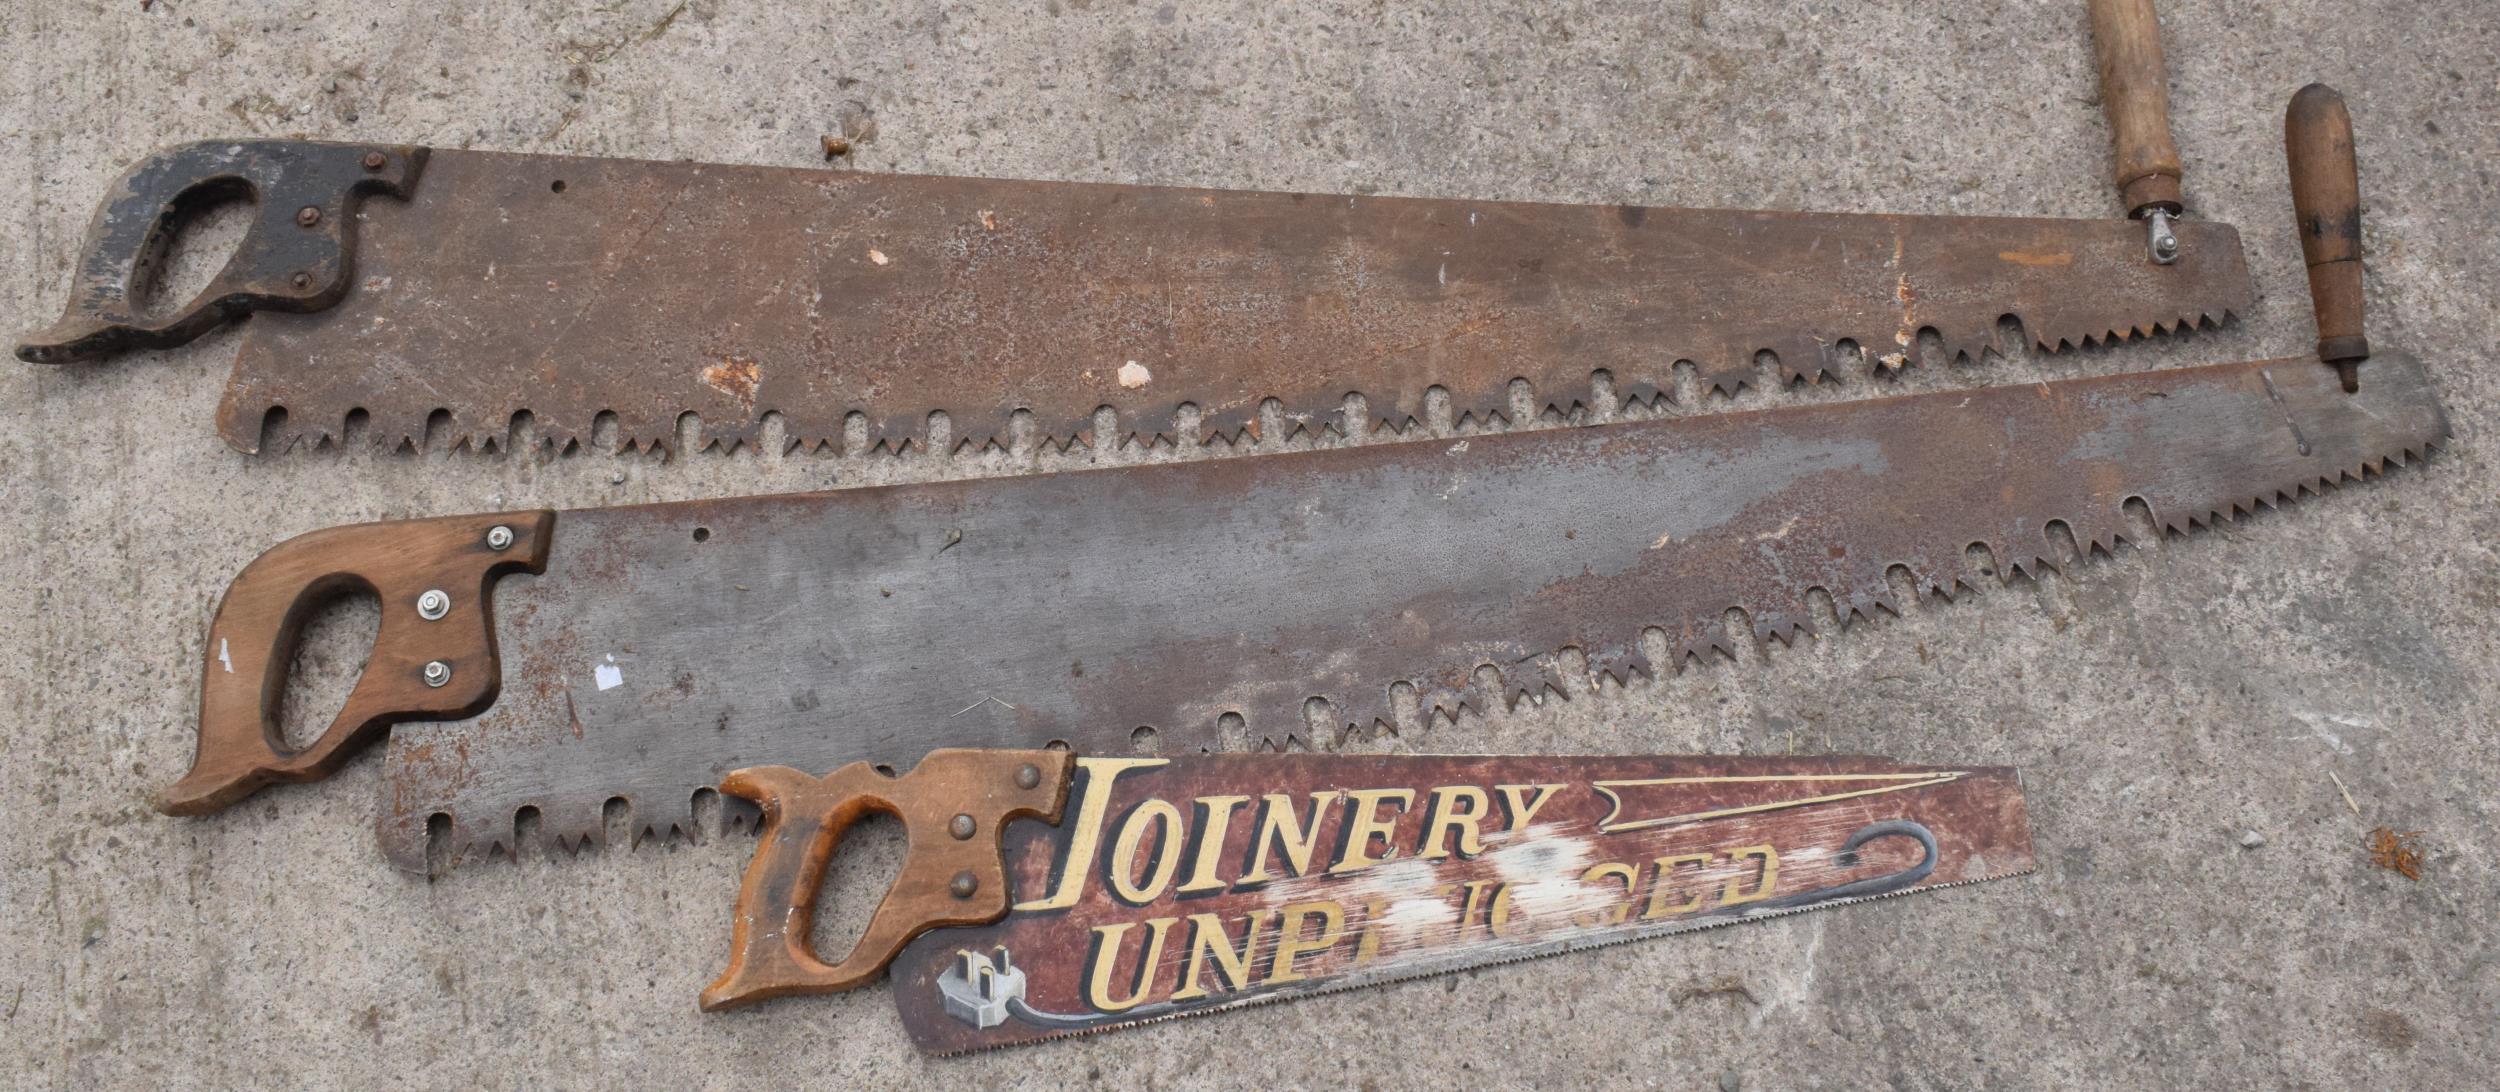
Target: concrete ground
[{"x": 2165, "y": 704}]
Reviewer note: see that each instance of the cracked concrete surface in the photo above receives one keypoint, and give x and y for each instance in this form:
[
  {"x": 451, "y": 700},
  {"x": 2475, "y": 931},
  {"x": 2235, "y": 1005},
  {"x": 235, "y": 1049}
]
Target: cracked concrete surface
[{"x": 2164, "y": 703}]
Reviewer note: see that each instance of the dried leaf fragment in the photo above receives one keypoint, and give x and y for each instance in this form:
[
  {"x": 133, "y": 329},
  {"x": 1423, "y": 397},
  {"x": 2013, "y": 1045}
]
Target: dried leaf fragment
[{"x": 2396, "y": 852}]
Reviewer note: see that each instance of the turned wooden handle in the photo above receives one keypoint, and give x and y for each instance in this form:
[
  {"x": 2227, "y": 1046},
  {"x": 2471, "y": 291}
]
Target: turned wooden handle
[
  {"x": 252, "y": 642},
  {"x": 2326, "y": 199},
  {"x": 955, "y": 807},
  {"x": 2135, "y": 93}
]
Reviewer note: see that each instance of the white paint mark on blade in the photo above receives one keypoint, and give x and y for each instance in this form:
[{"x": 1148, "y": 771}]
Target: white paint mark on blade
[
  {"x": 608, "y": 675},
  {"x": 222, "y": 658}
]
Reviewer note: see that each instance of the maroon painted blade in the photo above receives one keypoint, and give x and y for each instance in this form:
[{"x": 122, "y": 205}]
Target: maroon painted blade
[
  {"x": 1192, "y": 885},
  {"x": 571, "y": 288}
]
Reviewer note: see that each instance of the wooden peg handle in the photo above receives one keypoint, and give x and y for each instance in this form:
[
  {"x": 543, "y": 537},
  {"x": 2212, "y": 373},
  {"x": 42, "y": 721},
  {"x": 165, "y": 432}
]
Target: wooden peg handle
[
  {"x": 252, "y": 641},
  {"x": 2135, "y": 93},
  {"x": 955, "y": 807},
  {"x": 2326, "y": 200}
]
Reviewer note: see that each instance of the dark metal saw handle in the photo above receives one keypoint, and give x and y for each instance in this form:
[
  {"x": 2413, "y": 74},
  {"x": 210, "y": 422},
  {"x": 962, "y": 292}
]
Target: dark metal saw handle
[
  {"x": 298, "y": 255},
  {"x": 2326, "y": 201},
  {"x": 434, "y": 656},
  {"x": 955, "y": 807}
]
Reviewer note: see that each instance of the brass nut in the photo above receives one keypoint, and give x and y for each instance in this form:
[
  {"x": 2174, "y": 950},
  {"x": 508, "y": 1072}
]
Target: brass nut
[
  {"x": 963, "y": 885},
  {"x": 961, "y": 827},
  {"x": 1028, "y": 776}
]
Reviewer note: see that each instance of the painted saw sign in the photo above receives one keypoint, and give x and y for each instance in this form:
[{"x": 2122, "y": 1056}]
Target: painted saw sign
[{"x": 1174, "y": 887}]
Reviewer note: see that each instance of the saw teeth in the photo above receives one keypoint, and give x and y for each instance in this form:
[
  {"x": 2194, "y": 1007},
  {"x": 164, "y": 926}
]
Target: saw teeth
[
  {"x": 1450, "y": 693},
  {"x": 1799, "y": 358}
]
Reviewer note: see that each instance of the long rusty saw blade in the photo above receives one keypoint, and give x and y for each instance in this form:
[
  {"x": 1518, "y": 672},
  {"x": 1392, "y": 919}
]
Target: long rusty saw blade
[
  {"x": 641, "y": 653},
  {"x": 1156, "y": 888},
  {"x": 573, "y": 290}
]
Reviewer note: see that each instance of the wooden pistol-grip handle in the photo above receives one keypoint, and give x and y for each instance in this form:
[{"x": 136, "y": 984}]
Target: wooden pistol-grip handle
[
  {"x": 2135, "y": 93},
  {"x": 955, "y": 807},
  {"x": 441, "y": 667},
  {"x": 2326, "y": 200}
]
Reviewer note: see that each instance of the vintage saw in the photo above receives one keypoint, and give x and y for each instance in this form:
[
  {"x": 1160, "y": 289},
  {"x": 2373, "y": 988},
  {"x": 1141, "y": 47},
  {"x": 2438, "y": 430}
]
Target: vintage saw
[
  {"x": 1154, "y": 888},
  {"x": 564, "y": 660},
  {"x": 495, "y": 284}
]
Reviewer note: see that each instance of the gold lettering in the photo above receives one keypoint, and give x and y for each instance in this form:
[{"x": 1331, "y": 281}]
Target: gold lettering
[
  {"x": 1208, "y": 937},
  {"x": 1278, "y": 824},
  {"x": 1215, "y": 820},
  {"x": 1770, "y": 859},
  {"x": 1665, "y": 876},
  {"x": 1086, "y": 835},
  {"x": 1363, "y": 826},
  {"x": 1292, "y": 945},
  {"x": 1523, "y": 807},
  {"x": 1475, "y": 900},
  {"x": 1499, "y": 920},
  {"x": 1155, "y": 811},
  {"x": 1103, "y": 960},
  {"x": 1593, "y": 918},
  {"x": 1443, "y": 816},
  {"x": 1368, "y": 948}
]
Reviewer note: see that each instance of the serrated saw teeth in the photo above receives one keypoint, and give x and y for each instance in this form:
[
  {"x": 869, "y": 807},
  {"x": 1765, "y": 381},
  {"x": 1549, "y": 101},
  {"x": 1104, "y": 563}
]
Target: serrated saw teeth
[
  {"x": 1568, "y": 538},
  {"x": 1799, "y": 360}
]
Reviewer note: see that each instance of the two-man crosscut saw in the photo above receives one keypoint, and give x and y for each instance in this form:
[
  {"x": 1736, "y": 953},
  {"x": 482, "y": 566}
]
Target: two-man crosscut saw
[
  {"x": 491, "y": 285},
  {"x": 562, "y": 660},
  {"x": 1044, "y": 895}
]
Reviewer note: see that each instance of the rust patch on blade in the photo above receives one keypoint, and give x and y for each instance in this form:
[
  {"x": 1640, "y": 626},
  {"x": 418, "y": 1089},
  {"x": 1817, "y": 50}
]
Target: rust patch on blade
[{"x": 734, "y": 376}]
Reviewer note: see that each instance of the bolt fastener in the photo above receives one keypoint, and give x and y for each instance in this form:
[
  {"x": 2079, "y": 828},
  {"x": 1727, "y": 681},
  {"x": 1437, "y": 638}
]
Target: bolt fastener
[
  {"x": 375, "y": 161},
  {"x": 963, "y": 885},
  {"x": 433, "y": 605},
  {"x": 961, "y": 827},
  {"x": 437, "y": 673},
  {"x": 499, "y": 537},
  {"x": 1028, "y": 776},
  {"x": 301, "y": 281},
  {"x": 307, "y": 216}
]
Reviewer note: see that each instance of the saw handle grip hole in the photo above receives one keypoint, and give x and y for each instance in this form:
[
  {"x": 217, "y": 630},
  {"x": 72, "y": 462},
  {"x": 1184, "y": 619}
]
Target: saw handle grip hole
[
  {"x": 193, "y": 243},
  {"x": 331, "y": 646}
]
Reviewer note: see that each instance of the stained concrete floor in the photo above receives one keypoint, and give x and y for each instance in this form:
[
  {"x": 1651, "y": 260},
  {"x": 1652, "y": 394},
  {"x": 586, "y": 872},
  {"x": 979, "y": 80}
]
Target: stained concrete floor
[{"x": 2164, "y": 704}]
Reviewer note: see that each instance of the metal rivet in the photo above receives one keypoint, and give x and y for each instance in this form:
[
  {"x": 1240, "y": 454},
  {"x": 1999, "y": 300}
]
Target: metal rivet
[
  {"x": 307, "y": 216},
  {"x": 434, "y": 604},
  {"x": 375, "y": 161},
  {"x": 437, "y": 673},
  {"x": 961, "y": 827},
  {"x": 301, "y": 281},
  {"x": 1028, "y": 776},
  {"x": 2161, "y": 240},
  {"x": 499, "y": 537},
  {"x": 963, "y": 885}
]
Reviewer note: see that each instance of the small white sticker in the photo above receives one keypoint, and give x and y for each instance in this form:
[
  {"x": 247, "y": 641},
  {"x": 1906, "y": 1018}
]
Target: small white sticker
[
  {"x": 223, "y": 658},
  {"x": 608, "y": 675}
]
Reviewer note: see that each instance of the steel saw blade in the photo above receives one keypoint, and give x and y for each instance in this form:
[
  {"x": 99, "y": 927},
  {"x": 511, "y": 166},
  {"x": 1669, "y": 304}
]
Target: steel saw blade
[
  {"x": 490, "y": 285},
  {"x": 663, "y": 646}
]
